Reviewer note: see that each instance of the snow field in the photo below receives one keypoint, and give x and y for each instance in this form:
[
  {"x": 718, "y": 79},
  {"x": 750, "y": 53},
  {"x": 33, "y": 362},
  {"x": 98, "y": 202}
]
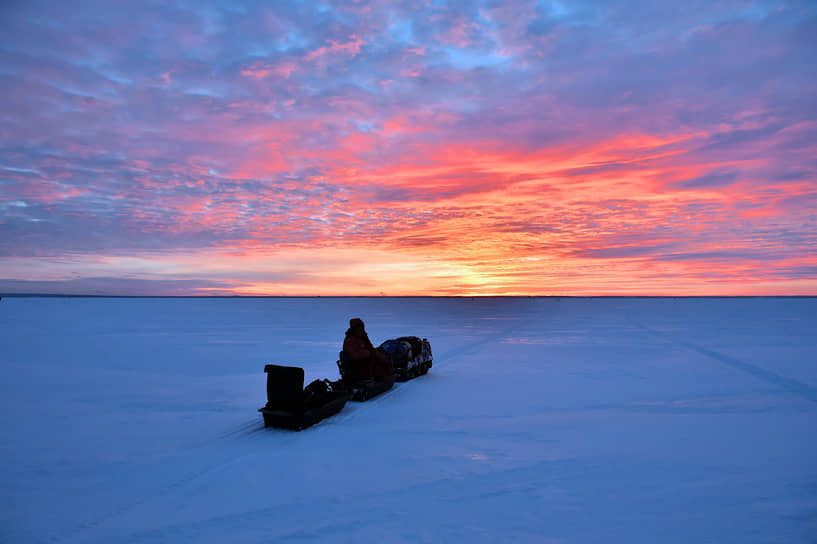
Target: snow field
[{"x": 543, "y": 420}]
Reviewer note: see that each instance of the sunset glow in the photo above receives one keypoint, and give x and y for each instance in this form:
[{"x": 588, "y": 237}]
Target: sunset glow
[{"x": 382, "y": 148}]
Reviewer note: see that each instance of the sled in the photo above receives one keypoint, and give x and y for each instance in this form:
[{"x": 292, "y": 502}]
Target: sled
[
  {"x": 289, "y": 406},
  {"x": 361, "y": 389},
  {"x": 409, "y": 356}
]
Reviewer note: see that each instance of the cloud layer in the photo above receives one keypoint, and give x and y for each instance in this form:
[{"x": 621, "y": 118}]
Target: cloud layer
[{"x": 401, "y": 148}]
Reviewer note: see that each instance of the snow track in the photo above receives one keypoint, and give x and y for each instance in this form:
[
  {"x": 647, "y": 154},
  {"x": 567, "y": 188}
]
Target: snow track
[
  {"x": 248, "y": 433},
  {"x": 789, "y": 384}
]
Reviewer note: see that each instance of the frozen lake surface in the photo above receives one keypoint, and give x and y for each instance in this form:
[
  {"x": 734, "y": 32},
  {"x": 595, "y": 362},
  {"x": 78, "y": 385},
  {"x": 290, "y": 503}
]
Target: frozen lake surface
[{"x": 575, "y": 420}]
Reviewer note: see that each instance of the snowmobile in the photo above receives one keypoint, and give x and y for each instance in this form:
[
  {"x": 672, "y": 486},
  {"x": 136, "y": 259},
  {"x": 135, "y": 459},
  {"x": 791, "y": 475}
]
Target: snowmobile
[
  {"x": 290, "y": 405},
  {"x": 361, "y": 388},
  {"x": 409, "y": 356}
]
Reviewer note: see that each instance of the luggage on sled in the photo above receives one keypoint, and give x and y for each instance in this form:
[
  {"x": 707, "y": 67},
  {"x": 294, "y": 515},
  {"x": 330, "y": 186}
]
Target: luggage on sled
[
  {"x": 291, "y": 406},
  {"x": 409, "y": 356},
  {"x": 361, "y": 388}
]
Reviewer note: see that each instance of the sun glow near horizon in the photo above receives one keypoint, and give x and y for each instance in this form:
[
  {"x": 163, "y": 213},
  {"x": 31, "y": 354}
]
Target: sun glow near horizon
[{"x": 482, "y": 153}]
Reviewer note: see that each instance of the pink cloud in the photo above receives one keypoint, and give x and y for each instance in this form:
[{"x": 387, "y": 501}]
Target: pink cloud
[
  {"x": 263, "y": 70},
  {"x": 350, "y": 48}
]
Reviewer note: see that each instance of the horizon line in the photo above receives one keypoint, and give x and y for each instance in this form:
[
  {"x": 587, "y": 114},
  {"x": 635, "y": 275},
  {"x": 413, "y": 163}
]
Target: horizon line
[{"x": 71, "y": 295}]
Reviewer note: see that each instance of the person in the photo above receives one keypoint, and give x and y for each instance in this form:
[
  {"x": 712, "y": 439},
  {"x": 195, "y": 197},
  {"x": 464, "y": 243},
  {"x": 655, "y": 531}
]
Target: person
[{"x": 369, "y": 362}]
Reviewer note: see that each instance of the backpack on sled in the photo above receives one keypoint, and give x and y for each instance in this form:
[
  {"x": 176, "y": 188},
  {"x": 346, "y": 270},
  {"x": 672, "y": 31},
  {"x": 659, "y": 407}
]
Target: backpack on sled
[
  {"x": 409, "y": 356},
  {"x": 290, "y": 405}
]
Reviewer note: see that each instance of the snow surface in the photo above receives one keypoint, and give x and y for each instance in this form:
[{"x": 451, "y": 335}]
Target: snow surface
[{"x": 576, "y": 420}]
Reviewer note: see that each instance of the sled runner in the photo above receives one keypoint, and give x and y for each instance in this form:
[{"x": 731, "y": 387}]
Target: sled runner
[
  {"x": 361, "y": 388},
  {"x": 291, "y": 406},
  {"x": 409, "y": 356}
]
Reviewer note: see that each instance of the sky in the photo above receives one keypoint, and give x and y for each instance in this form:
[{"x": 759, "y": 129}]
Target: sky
[{"x": 408, "y": 148}]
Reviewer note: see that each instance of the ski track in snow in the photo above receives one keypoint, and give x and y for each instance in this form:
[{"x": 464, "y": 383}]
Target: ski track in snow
[
  {"x": 320, "y": 529},
  {"x": 176, "y": 485},
  {"x": 789, "y": 384}
]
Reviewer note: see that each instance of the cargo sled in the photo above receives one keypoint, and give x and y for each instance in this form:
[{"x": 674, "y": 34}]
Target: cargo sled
[
  {"x": 291, "y": 406},
  {"x": 361, "y": 389},
  {"x": 409, "y": 356}
]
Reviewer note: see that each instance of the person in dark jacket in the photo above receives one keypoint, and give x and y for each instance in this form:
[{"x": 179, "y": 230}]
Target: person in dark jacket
[{"x": 370, "y": 362}]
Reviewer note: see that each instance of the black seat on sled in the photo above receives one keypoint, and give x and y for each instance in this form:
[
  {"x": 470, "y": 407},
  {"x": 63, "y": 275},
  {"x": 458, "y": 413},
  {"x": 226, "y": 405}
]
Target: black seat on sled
[{"x": 285, "y": 388}]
